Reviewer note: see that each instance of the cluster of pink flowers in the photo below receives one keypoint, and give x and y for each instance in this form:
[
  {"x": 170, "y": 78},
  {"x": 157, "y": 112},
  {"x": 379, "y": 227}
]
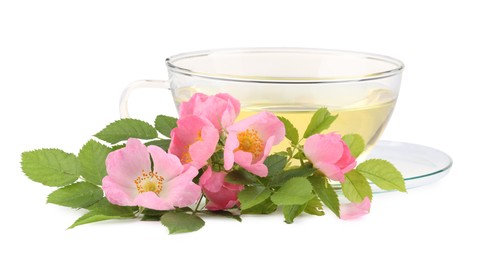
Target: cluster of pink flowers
[{"x": 152, "y": 178}]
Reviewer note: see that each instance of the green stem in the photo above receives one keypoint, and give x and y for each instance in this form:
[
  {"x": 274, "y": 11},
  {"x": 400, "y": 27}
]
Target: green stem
[{"x": 197, "y": 205}]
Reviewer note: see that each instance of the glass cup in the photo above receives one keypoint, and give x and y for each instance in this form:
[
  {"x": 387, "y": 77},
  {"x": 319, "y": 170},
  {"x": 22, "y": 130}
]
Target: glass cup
[{"x": 361, "y": 88}]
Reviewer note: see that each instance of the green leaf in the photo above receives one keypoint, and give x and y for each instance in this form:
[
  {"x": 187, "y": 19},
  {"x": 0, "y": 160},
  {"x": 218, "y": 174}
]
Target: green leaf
[
  {"x": 383, "y": 174},
  {"x": 162, "y": 143},
  {"x": 222, "y": 213},
  {"x": 240, "y": 177},
  {"x": 320, "y": 121},
  {"x": 325, "y": 192},
  {"x": 355, "y": 143},
  {"x": 265, "y": 207},
  {"x": 92, "y": 159},
  {"x": 77, "y": 195},
  {"x": 104, "y": 207},
  {"x": 356, "y": 187},
  {"x": 165, "y": 124},
  {"x": 295, "y": 191},
  {"x": 180, "y": 222},
  {"x": 292, "y": 211},
  {"x": 123, "y": 129},
  {"x": 291, "y": 132},
  {"x": 51, "y": 167},
  {"x": 284, "y": 176},
  {"x": 93, "y": 216},
  {"x": 275, "y": 164},
  {"x": 314, "y": 207},
  {"x": 253, "y": 195}
]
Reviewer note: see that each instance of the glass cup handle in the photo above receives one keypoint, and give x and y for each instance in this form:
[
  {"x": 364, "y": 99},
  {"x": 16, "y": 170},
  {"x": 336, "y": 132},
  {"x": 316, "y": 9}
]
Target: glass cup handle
[{"x": 164, "y": 84}]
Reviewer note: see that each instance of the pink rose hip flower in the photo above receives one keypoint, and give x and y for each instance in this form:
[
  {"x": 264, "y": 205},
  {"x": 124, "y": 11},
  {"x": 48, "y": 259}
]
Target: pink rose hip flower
[
  {"x": 194, "y": 140},
  {"x": 131, "y": 182},
  {"x": 330, "y": 154},
  {"x": 250, "y": 140},
  {"x": 355, "y": 210},
  {"x": 220, "y": 194},
  {"x": 221, "y": 109}
]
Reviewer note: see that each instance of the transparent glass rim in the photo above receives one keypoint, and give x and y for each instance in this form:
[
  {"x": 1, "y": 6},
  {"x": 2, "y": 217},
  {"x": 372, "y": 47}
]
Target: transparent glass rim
[{"x": 170, "y": 62}]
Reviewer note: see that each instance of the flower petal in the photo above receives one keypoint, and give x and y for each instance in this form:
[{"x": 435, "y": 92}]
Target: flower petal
[
  {"x": 124, "y": 165},
  {"x": 229, "y": 147},
  {"x": 166, "y": 165},
  {"x": 355, "y": 210},
  {"x": 244, "y": 159},
  {"x": 117, "y": 194},
  {"x": 212, "y": 182},
  {"x": 181, "y": 191},
  {"x": 152, "y": 201}
]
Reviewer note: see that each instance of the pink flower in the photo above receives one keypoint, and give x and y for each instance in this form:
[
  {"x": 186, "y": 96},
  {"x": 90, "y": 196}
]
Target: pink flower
[
  {"x": 131, "y": 182},
  {"x": 193, "y": 140},
  {"x": 355, "y": 210},
  {"x": 221, "y": 194},
  {"x": 221, "y": 109},
  {"x": 330, "y": 155},
  {"x": 250, "y": 140}
]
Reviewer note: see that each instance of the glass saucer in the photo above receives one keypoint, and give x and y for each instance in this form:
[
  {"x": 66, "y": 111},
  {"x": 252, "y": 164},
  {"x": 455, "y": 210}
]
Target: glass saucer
[{"x": 419, "y": 165}]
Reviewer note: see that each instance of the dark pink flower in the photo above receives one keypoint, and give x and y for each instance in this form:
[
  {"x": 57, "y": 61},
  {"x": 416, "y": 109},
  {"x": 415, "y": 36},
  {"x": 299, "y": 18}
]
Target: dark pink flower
[
  {"x": 220, "y": 194},
  {"x": 330, "y": 154},
  {"x": 221, "y": 109},
  {"x": 194, "y": 140},
  {"x": 250, "y": 140}
]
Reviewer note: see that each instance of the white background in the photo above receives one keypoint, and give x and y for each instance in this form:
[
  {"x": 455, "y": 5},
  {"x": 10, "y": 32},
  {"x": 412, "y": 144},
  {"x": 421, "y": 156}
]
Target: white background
[{"x": 63, "y": 65}]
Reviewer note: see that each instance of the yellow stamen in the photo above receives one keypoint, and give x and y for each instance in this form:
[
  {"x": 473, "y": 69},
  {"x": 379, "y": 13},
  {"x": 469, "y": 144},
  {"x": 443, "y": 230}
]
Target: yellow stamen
[
  {"x": 149, "y": 182},
  {"x": 250, "y": 142}
]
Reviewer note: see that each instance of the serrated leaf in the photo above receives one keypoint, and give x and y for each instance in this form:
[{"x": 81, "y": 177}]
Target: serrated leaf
[
  {"x": 320, "y": 121},
  {"x": 292, "y": 211},
  {"x": 123, "y": 129},
  {"x": 383, "y": 174},
  {"x": 222, "y": 213},
  {"x": 93, "y": 216},
  {"x": 295, "y": 191},
  {"x": 314, "y": 207},
  {"x": 240, "y": 177},
  {"x": 286, "y": 175},
  {"x": 356, "y": 187},
  {"x": 265, "y": 207},
  {"x": 180, "y": 222},
  {"x": 165, "y": 124},
  {"x": 325, "y": 192},
  {"x": 253, "y": 195},
  {"x": 92, "y": 159},
  {"x": 162, "y": 143},
  {"x": 77, "y": 195},
  {"x": 51, "y": 167},
  {"x": 291, "y": 132},
  {"x": 275, "y": 164},
  {"x": 355, "y": 143}
]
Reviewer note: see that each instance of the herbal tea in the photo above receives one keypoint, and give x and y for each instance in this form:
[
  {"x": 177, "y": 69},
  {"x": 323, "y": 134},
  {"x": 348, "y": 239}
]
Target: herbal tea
[{"x": 367, "y": 117}]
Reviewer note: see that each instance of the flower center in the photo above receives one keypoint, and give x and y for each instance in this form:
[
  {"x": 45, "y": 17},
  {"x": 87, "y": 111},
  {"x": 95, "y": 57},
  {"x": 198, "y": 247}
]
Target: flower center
[
  {"x": 186, "y": 156},
  {"x": 149, "y": 182},
  {"x": 250, "y": 142}
]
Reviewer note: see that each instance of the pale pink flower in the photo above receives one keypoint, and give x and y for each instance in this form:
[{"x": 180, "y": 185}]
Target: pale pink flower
[
  {"x": 132, "y": 182},
  {"x": 330, "y": 154},
  {"x": 220, "y": 194},
  {"x": 355, "y": 210},
  {"x": 220, "y": 109},
  {"x": 194, "y": 140},
  {"x": 250, "y": 140}
]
